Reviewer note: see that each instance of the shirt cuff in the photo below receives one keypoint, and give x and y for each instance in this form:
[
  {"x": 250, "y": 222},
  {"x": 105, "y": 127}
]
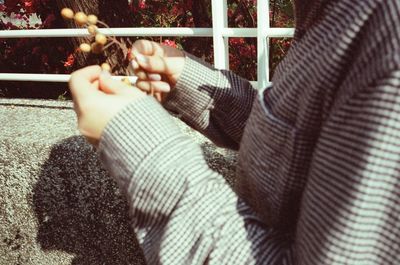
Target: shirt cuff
[
  {"x": 133, "y": 146},
  {"x": 194, "y": 92}
]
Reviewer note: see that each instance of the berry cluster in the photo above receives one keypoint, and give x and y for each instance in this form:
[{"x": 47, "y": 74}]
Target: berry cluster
[{"x": 99, "y": 41}]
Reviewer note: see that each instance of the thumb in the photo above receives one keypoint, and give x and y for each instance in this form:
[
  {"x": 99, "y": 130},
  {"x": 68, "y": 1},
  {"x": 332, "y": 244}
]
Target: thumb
[{"x": 111, "y": 86}]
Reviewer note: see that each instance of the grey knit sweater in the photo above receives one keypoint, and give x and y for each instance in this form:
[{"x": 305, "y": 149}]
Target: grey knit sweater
[{"x": 319, "y": 152}]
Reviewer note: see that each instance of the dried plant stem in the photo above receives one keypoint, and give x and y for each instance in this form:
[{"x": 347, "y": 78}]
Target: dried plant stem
[
  {"x": 109, "y": 45},
  {"x": 106, "y": 41},
  {"x": 103, "y": 24},
  {"x": 114, "y": 39}
]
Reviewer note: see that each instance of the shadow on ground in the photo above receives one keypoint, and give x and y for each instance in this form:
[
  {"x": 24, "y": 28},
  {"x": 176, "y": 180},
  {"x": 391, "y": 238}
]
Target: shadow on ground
[{"x": 80, "y": 209}]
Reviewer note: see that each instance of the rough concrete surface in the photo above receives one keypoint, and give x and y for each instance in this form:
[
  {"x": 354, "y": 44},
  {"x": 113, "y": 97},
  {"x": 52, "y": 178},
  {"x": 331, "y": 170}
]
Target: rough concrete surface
[{"x": 57, "y": 204}]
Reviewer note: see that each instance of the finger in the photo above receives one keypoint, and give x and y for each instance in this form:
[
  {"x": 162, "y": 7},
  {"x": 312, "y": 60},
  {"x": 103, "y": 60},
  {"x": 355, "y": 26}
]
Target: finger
[
  {"x": 141, "y": 75},
  {"x": 156, "y": 86},
  {"x": 158, "y": 64},
  {"x": 154, "y": 77},
  {"x": 135, "y": 65},
  {"x": 158, "y": 96},
  {"x": 146, "y": 47},
  {"x": 80, "y": 83}
]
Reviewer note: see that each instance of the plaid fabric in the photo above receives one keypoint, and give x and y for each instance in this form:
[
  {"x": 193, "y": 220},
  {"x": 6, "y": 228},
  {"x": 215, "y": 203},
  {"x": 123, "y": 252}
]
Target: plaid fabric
[{"x": 319, "y": 153}]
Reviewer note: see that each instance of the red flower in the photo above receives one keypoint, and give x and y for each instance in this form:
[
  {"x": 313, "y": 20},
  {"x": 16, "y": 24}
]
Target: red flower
[
  {"x": 70, "y": 60},
  {"x": 29, "y": 6},
  {"x": 236, "y": 41},
  {"x": 177, "y": 10},
  {"x": 170, "y": 43},
  {"x": 142, "y": 4},
  {"x": 135, "y": 7}
]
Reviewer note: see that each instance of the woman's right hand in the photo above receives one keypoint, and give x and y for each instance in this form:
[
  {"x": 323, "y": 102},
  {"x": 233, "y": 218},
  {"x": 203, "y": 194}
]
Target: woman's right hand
[{"x": 158, "y": 67}]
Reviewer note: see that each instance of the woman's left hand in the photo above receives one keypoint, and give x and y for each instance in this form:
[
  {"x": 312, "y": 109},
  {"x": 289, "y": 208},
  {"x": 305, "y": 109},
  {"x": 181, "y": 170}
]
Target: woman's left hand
[{"x": 97, "y": 99}]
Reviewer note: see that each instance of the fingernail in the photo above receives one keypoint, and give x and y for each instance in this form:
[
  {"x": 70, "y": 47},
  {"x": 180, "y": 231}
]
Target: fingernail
[
  {"x": 141, "y": 59},
  {"x": 134, "y": 64},
  {"x": 155, "y": 77},
  {"x": 105, "y": 73},
  {"x": 164, "y": 87}
]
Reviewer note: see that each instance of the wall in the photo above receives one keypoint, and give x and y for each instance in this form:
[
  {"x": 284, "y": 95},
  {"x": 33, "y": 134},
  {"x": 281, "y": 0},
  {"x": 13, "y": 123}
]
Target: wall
[{"x": 57, "y": 203}]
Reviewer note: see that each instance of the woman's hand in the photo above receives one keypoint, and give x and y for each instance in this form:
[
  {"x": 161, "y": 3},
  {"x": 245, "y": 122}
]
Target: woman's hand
[
  {"x": 158, "y": 67},
  {"x": 97, "y": 99}
]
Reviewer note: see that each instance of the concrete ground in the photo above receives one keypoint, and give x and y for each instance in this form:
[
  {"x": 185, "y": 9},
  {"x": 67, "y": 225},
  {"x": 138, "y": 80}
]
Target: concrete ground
[{"x": 57, "y": 204}]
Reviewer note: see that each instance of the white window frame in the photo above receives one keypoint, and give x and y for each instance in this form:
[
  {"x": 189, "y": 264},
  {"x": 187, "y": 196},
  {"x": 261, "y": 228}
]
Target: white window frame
[{"x": 220, "y": 32}]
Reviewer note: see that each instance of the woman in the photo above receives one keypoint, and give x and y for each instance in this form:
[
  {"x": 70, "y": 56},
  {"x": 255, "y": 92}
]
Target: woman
[{"x": 319, "y": 156}]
